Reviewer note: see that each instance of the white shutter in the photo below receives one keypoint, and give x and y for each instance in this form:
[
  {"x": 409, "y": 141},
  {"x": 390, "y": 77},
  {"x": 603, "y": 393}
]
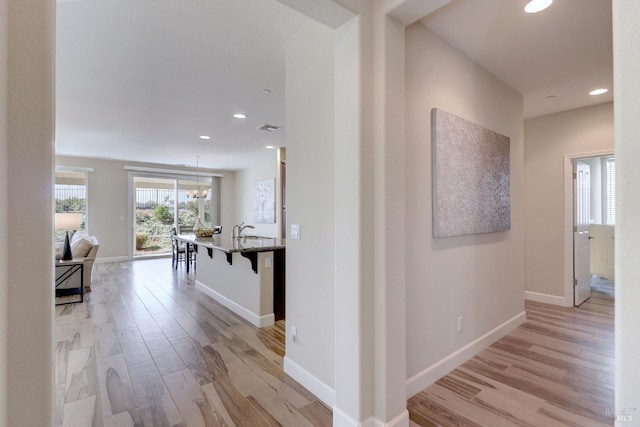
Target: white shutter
[{"x": 611, "y": 191}]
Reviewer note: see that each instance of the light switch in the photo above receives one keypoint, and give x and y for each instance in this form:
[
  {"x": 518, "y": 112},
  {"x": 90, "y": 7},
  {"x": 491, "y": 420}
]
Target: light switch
[
  {"x": 295, "y": 231},
  {"x": 267, "y": 262}
]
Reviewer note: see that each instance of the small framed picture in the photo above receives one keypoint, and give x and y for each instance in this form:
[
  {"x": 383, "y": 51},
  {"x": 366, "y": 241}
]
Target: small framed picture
[{"x": 264, "y": 202}]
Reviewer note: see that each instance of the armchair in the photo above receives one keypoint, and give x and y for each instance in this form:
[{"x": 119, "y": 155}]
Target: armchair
[{"x": 83, "y": 247}]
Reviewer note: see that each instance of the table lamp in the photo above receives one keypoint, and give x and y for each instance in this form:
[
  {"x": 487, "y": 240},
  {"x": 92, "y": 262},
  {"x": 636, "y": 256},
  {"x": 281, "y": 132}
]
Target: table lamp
[{"x": 67, "y": 221}]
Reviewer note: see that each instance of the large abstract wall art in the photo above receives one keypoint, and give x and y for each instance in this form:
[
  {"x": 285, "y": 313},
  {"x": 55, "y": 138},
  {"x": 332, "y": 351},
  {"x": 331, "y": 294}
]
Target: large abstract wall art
[{"x": 470, "y": 177}]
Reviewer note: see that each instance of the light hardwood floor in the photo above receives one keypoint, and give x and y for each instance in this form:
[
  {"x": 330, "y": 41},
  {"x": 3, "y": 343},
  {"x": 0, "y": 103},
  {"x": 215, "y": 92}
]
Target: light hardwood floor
[
  {"x": 556, "y": 369},
  {"x": 148, "y": 349}
]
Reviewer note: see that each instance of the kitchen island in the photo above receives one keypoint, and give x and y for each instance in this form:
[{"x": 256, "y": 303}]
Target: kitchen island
[{"x": 245, "y": 274}]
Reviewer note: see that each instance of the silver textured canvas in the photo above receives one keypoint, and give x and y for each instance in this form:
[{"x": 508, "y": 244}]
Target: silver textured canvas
[
  {"x": 264, "y": 201},
  {"x": 470, "y": 177}
]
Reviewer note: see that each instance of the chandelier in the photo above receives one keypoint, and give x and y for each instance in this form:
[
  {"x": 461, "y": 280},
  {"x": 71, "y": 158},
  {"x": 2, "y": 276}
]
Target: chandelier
[{"x": 197, "y": 194}]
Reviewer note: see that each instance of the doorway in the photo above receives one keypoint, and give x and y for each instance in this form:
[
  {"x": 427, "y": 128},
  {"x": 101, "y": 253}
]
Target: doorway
[
  {"x": 153, "y": 216},
  {"x": 163, "y": 202},
  {"x": 593, "y": 227}
]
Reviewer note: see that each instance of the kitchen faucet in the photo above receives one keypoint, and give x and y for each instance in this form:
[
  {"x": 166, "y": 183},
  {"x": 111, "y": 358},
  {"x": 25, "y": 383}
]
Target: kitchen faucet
[{"x": 237, "y": 229}]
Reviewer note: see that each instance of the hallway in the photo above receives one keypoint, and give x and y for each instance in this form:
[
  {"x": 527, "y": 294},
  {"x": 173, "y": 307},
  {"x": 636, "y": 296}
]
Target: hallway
[
  {"x": 556, "y": 369},
  {"x": 147, "y": 348}
]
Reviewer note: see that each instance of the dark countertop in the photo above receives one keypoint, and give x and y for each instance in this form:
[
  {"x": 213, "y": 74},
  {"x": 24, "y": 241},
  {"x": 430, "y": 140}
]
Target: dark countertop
[{"x": 227, "y": 244}]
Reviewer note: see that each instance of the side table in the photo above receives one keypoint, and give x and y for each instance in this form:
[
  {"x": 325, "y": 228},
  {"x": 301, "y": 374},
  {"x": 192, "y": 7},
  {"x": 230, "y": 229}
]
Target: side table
[{"x": 65, "y": 270}]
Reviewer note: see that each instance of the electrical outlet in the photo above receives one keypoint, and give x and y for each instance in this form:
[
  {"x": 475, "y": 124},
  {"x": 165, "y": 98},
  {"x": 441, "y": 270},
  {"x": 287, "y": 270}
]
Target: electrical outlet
[{"x": 460, "y": 324}]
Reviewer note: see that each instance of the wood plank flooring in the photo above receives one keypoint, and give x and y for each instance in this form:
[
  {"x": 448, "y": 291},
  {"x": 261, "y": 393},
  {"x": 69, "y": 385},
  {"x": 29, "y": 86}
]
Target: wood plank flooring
[
  {"x": 556, "y": 369},
  {"x": 148, "y": 349}
]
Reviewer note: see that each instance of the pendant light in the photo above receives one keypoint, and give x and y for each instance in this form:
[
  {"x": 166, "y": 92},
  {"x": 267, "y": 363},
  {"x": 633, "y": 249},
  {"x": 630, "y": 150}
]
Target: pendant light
[{"x": 197, "y": 194}]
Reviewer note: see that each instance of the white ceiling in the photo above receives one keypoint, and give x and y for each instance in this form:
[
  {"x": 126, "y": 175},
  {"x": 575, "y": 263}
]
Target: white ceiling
[
  {"x": 565, "y": 50},
  {"x": 142, "y": 80}
]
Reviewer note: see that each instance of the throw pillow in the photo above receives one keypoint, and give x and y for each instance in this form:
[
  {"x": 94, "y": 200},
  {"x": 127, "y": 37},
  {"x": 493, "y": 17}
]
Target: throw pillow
[{"x": 80, "y": 247}]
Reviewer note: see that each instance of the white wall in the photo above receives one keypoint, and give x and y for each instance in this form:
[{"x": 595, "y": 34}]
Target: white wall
[
  {"x": 108, "y": 200},
  {"x": 626, "y": 61},
  {"x": 354, "y": 355},
  {"x": 26, "y": 178},
  {"x": 479, "y": 277},
  {"x": 310, "y": 199},
  {"x": 547, "y": 140},
  {"x": 238, "y": 287},
  {"x": 29, "y": 32},
  {"x": 4, "y": 203},
  {"x": 244, "y": 190}
]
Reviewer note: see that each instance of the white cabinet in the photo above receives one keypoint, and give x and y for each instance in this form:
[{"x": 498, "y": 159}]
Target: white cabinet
[{"x": 603, "y": 250}]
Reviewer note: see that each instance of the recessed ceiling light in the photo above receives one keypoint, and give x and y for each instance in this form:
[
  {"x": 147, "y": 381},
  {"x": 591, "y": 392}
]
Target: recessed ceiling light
[
  {"x": 269, "y": 147},
  {"x": 240, "y": 116},
  {"x": 550, "y": 96},
  {"x": 266, "y": 91},
  {"x": 598, "y": 92},
  {"x": 205, "y": 137},
  {"x": 535, "y": 6}
]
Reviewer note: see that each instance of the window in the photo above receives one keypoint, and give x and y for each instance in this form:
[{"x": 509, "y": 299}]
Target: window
[
  {"x": 71, "y": 193},
  {"x": 154, "y": 201},
  {"x": 161, "y": 202},
  {"x": 610, "y": 191}
]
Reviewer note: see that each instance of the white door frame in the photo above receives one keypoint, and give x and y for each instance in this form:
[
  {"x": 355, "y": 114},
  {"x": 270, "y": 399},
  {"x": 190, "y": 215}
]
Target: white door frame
[{"x": 568, "y": 218}]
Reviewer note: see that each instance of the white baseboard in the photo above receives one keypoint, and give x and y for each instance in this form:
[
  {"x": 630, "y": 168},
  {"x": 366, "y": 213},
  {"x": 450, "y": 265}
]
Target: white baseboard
[
  {"x": 309, "y": 381},
  {"x": 433, "y": 373},
  {"x": 341, "y": 419},
  {"x": 545, "y": 298},
  {"x": 251, "y": 317},
  {"x": 401, "y": 420},
  {"x": 112, "y": 259},
  {"x": 328, "y": 396}
]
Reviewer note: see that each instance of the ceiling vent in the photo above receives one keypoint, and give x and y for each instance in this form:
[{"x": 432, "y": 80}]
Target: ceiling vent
[{"x": 268, "y": 128}]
